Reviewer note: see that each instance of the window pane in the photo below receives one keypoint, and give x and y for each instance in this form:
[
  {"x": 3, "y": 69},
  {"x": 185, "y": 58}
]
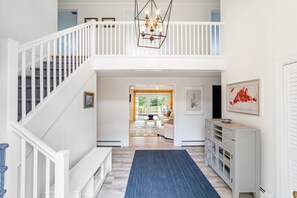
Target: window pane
[{"x": 141, "y": 105}]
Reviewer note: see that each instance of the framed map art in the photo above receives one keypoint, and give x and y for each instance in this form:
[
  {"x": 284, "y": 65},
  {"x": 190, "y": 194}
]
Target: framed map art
[{"x": 243, "y": 97}]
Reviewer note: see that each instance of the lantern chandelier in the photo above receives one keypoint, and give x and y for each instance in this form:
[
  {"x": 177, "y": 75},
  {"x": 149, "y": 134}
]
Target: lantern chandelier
[{"x": 151, "y": 27}]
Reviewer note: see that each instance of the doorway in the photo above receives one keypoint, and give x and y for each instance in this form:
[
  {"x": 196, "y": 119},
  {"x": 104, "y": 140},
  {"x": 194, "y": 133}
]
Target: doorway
[
  {"x": 217, "y": 101},
  {"x": 151, "y": 115}
]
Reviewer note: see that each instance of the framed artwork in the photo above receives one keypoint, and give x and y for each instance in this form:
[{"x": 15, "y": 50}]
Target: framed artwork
[
  {"x": 243, "y": 97},
  {"x": 108, "y": 19},
  {"x": 90, "y": 19},
  {"x": 193, "y": 99},
  {"x": 88, "y": 100}
]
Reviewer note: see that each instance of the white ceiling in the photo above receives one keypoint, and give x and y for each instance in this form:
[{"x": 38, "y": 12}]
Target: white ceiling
[
  {"x": 152, "y": 87},
  {"x": 158, "y": 74},
  {"x": 133, "y": 1}
]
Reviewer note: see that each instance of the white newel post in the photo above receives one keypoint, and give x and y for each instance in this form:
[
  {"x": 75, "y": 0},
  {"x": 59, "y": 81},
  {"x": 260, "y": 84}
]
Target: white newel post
[
  {"x": 8, "y": 110},
  {"x": 93, "y": 38},
  {"x": 62, "y": 174}
]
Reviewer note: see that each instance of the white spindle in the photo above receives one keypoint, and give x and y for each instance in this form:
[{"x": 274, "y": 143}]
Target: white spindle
[
  {"x": 198, "y": 38},
  {"x": 111, "y": 39},
  {"x": 182, "y": 38},
  {"x": 220, "y": 40},
  {"x": 23, "y": 168},
  {"x": 33, "y": 77},
  {"x": 98, "y": 41},
  {"x": 190, "y": 39},
  {"x": 41, "y": 78},
  {"x": 103, "y": 39},
  {"x": 48, "y": 69},
  {"x": 87, "y": 42},
  {"x": 186, "y": 39},
  {"x": 194, "y": 40},
  {"x": 173, "y": 40},
  {"x": 215, "y": 40},
  {"x": 73, "y": 51},
  {"x": 202, "y": 39},
  {"x": 35, "y": 172},
  {"x": 47, "y": 177},
  {"x": 80, "y": 48},
  {"x": 69, "y": 54},
  {"x": 55, "y": 64},
  {"x": 107, "y": 39},
  {"x": 76, "y": 49},
  {"x": 115, "y": 39},
  {"x": 60, "y": 60},
  {"x": 124, "y": 39},
  {"x": 65, "y": 58},
  {"x": 24, "y": 86},
  {"x": 206, "y": 39},
  {"x": 120, "y": 33},
  {"x": 83, "y": 45},
  {"x": 169, "y": 40}
]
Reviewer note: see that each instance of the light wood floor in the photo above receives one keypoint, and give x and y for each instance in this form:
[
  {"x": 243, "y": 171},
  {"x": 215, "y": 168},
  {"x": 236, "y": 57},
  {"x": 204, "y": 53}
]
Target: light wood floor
[{"x": 116, "y": 182}]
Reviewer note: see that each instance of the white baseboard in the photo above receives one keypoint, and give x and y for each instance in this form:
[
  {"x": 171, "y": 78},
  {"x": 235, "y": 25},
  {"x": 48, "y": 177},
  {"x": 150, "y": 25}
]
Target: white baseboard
[
  {"x": 192, "y": 143},
  {"x": 103, "y": 143}
]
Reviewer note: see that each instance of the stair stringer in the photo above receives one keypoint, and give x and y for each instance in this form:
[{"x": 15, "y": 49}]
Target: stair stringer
[{"x": 46, "y": 115}]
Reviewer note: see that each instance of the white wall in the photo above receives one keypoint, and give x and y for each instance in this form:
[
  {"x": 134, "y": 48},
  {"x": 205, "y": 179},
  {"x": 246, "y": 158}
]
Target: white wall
[
  {"x": 113, "y": 107},
  {"x": 75, "y": 130},
  {"x": 124, "y": 10},
  {"x": 259, "y": 35},
  {"x": 25, "y": 20}
]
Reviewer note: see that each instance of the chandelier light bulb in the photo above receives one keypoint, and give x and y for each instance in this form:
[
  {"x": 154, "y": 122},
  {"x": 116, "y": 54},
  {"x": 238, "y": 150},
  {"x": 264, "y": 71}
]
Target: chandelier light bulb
[
  {"x": 142, "y": 29},
  {"x": 147, "y": 12},
  {"x": 160, "y": 29},
  {"x": 158, "y": 12},
  {"x": 152, "y": 23}
]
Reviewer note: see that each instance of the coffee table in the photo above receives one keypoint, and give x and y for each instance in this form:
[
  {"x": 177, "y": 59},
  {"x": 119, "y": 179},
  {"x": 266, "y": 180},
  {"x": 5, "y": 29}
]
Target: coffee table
[{"x": 146, "y": 120}]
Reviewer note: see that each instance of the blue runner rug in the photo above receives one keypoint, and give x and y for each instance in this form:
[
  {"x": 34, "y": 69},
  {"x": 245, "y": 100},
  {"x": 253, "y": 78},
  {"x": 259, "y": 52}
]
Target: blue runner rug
[{"x": 167, "y": 174}]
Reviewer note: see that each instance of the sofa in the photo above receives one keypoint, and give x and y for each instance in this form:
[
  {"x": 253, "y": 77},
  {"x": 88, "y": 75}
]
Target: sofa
[
  {"x": 167, "y": 117},
  {"x": 168, "y": 131}
]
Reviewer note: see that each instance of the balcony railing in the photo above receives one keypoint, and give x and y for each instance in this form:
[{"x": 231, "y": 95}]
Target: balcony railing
[{"x": 184, "y": 38}]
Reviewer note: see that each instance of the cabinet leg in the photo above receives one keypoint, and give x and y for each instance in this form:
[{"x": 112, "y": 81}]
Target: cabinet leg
[{"x": 235, "y": 194}]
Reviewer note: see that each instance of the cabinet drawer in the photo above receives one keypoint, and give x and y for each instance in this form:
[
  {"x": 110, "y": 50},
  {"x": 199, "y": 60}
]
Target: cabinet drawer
[
  {"x": 228, "y": 133},
  {"x": 228, "y": 142}
]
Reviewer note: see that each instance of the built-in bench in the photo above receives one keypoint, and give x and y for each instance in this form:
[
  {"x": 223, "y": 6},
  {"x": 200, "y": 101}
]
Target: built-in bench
[{"x": 88, "y": 175}]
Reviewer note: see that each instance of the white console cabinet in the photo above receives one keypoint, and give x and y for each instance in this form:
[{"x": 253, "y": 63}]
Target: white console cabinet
[{"x": 233, "y": 151}]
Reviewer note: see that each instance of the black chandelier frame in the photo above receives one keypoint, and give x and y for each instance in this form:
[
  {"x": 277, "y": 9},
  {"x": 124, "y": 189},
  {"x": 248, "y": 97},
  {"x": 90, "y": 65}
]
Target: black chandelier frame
[{"x": 161, "y": 22}]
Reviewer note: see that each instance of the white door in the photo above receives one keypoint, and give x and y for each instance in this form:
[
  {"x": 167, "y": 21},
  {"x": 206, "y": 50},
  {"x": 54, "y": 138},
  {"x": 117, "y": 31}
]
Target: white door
[{"x": 290, "y": 128}]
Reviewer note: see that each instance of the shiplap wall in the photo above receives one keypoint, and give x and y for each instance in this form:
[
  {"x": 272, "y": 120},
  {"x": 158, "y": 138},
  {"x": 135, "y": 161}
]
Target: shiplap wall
[{"x": 75, "y": 130}]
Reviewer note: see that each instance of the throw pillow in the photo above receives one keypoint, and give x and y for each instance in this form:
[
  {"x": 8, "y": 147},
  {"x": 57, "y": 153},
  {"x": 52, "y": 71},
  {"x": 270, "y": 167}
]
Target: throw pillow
[
  {"x": 171, "y": 115},
  {"x": 168, "y": 113},
  {"x": 170, "y": 121}
]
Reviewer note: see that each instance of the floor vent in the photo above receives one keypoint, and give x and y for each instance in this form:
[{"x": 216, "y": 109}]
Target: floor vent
[
  {"x": 265, "y": 194},
  {"x": 108, "y": 143},
  {"x": 192, "y": 142}
]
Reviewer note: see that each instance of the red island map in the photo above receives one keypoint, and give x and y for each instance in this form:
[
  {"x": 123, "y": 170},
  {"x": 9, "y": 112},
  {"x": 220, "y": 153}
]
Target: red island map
[{"x": 242, "y": 96}]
